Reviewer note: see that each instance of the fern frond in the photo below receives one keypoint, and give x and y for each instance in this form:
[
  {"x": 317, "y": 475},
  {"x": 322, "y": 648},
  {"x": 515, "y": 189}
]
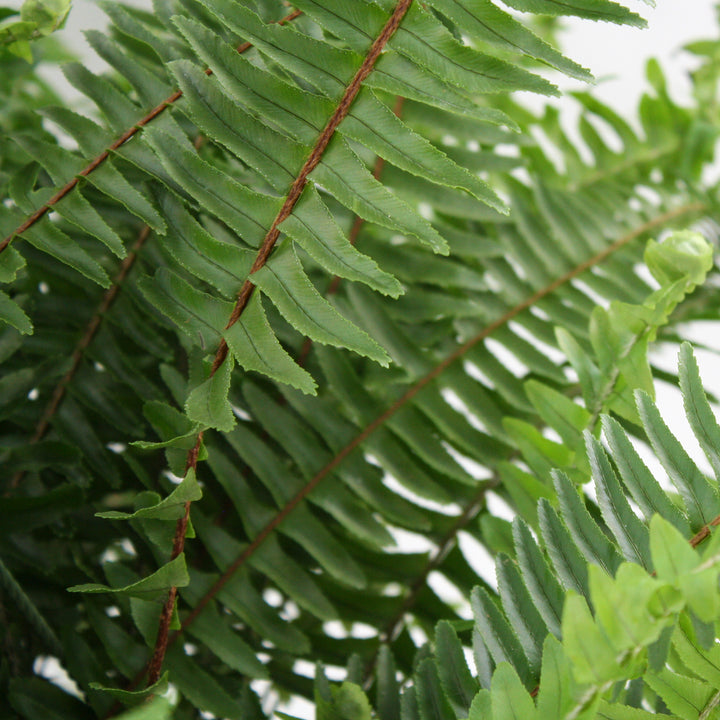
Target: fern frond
[{"x": 295, "y": 231}]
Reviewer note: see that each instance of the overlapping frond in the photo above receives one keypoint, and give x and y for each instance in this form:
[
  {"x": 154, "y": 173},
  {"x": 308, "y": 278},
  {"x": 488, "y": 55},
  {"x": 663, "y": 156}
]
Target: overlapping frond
[{"x": 608, "y": 615}]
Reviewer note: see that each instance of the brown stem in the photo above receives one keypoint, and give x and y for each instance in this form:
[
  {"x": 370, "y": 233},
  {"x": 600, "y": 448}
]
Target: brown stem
[
  {"x": 105, "y": 154},
  {"x": 311, "y": 163},
  {"x": 704, "y": 532},
  {"x": 414, "y": 390}
]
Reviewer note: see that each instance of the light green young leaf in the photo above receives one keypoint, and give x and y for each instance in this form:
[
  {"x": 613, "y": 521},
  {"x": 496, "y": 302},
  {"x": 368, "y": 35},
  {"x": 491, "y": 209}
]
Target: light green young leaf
[
  {"x": 38, "y": 18},
  {"x": 684, "y": 254},
  {"x": 685, "y": 696},
  {"x": 672, "y": 554},
  {"x": 159, "y": 708},
  {"x": 622, "y": 607},
  {"x": 525, "y": 490},
  {"x": 15, "y": 36},
  {"x": 510, "y": 699},
  {"x": 481, "y": 708},
  {"x": 496, "y": 533},
  {"x": 677, "y": 563},
  {"x": 557, "y": 685},
  {"x": 699, "y": 589},
  {"x": 705, "y": 662},
  {"x": 48, "y": 15},
  {"x": 588, "y": 373},
  {"x": 559, "y": 411},
  {"x": 620, "y": 334},
  {"x": 540, "y": 453},
  {"x": 618, "y": 711},
  {"x": 593, "y": 658}
]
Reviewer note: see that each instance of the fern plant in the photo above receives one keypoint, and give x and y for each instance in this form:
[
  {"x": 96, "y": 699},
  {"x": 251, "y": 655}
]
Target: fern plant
[{"x": 305, "y": 282}]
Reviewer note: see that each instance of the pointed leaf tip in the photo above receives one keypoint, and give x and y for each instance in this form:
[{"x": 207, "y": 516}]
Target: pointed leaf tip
[{"x": 153, "y": 587}]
